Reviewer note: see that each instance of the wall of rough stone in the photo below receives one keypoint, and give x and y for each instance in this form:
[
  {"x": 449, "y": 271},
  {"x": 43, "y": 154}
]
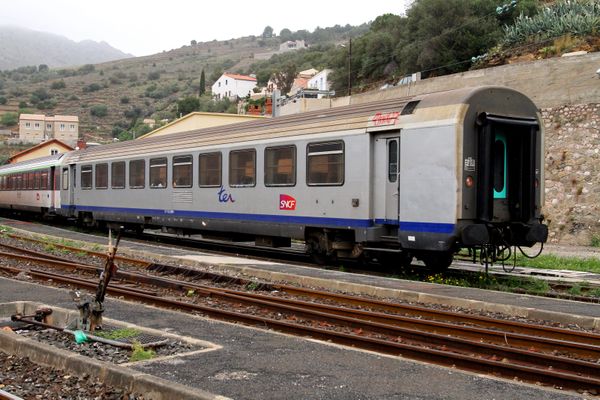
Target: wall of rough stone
[{"x": 572, "y": 180}]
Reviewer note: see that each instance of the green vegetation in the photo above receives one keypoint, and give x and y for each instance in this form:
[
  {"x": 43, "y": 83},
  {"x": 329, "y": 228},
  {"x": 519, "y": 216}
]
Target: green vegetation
[
  {"x": 9, "y": 119},
  {"x": 139, "y": 354},
  {"x": 99, "y": 110},
  {"x": 550, "y": 261},
  {"x": 575, "y": 17},
  {"x": 595, "y": 242},
  {"x": 116, "y": 334}
]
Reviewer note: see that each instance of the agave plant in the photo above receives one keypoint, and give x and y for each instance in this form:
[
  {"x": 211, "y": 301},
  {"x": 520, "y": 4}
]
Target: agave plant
[{"x": 576, "y": 17}]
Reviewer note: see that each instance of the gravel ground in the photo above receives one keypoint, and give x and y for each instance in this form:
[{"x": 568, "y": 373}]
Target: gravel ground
[
  {"x": 101, "y": 351},
  {"x": 21, "y": 377}
]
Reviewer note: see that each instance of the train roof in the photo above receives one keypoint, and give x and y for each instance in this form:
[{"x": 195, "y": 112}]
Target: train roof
[
  {"x": 33, "y": 164},
  {"x": 346, "y": 118}
]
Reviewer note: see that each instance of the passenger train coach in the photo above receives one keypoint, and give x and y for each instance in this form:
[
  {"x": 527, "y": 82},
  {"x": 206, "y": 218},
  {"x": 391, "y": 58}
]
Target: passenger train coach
[{"x": 421, "y": 176}]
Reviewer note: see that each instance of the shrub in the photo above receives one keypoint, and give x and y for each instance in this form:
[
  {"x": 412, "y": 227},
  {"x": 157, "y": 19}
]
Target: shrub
[
  {"x": 86, "y": 69},
  {"x": 99, "y": 110},
  {"x": 9, "y": 119},
  {"x": 578, "y": 17},
  {"x": 58, "y": 85},
  {"x": 124, "y": 100},
  {"x": 22, "y": 104},
  {"x": 93, "y": 87},
  {"x": 3, "y": 100},
  {"x": 153, "y": 76}
]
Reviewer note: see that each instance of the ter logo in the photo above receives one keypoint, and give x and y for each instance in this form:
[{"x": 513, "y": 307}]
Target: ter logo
[{"x": 287, "y": 202}]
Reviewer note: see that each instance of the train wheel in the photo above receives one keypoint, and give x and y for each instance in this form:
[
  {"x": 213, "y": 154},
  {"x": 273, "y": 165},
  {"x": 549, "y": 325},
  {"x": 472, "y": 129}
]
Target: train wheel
[
  {"x": 316, "y": 246},
  {"x": 438, "y": 261}
]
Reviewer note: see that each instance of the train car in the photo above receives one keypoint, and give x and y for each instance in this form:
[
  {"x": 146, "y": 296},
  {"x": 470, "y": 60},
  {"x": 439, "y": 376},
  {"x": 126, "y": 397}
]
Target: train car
[
  {"x": 31, "y": 185},
  {"x": 421, "y": 176}
]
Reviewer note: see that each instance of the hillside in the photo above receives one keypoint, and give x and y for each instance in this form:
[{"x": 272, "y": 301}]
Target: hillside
[
  {"x": 21, "y": 47},
  {"x": 114, "y": 96}
]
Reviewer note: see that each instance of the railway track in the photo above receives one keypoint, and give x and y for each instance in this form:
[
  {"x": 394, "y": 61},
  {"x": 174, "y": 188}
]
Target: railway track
[
  {"x": 552, "y": 356},
  {"x": 558, "y": 290}
]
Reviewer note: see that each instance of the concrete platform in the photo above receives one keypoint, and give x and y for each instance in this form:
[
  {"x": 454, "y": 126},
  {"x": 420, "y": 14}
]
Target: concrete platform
[{"x": 258, "y": 364}]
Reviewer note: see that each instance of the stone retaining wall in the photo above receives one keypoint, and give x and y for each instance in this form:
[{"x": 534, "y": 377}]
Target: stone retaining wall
[{"x": 572, "y": 181}]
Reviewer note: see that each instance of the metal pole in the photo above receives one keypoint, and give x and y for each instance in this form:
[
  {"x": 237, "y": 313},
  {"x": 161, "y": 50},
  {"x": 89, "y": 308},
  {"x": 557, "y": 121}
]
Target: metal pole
[{"x": 349, "y": 67}]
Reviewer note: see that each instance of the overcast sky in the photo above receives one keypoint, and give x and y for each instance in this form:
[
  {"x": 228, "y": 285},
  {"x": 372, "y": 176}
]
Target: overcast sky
[{"x": 148, "y": 27}]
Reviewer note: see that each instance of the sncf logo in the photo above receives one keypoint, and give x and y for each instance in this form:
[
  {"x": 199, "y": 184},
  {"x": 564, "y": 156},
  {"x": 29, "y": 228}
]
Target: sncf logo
[{"x": 287, "y": 202}]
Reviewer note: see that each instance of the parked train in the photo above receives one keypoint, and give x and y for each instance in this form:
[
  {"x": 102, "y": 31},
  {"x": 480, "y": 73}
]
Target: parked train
[{"x": 420, "y": 176}]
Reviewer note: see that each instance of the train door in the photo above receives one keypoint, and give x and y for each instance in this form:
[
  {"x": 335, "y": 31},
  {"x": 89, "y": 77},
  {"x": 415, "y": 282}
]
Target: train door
[
  {"x": 508, "y": 179},
  {"x": 387, "y": 159}
]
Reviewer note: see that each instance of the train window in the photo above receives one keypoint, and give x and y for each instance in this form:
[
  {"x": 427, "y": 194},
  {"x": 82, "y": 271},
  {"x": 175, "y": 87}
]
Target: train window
[
  {"x": 158, "y": 173},
  {"x": 44, "y": 180},
  {"x": 137, "y": 174},
  {"x": 182, "y": 171},
  {"x": 117, "y": 175},
  {"x": 210, "y": 170},
  {"x": 242, "y": 168},
  {"x": 393, "y": 160},
  {"x": 499, "y": 167},
  {"x": 280, "y": 166},
  {"x": 325, "y": 163},
  {"x": 65, "y": 179},
  {"x": 36, "y": 180},
  {"x": 30, "y": 180},
  {"x": 102, "y": 176},
  {"x": 86, "y": 177}
]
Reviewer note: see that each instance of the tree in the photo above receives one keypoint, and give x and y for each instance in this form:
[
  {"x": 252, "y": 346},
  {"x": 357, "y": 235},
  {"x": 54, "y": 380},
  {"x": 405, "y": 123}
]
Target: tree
[
  {"x": 202, "y": 83},
  {"x": 99, "y": 110},
  {"x": 284, "y": 78},
  {"x": 268, "y": 32},
  {"x": 193, "y": 43},
  {"x": 187, "y": 105},
  {"x": 285, "y": 35},
  {"x": 42, "y": 68},
  {"x": 9, "y": 119}
]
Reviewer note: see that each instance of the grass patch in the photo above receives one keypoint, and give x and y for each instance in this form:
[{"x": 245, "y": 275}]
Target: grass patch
[
  {"x": 139, "y": 354},
  {"x": 6, "y": 229},
  {"x": 117, "y": 333},
  {"x": 550, "y": 261}
]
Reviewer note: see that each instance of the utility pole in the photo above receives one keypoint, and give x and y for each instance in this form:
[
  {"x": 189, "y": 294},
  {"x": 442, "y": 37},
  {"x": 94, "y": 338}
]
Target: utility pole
[{"x": 349, "y": 67}]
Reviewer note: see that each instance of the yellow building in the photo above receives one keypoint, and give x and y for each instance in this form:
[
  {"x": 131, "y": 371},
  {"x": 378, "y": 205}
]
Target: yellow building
[
  {"x": 200, "y": 120},
  {"x": 53, "y": 146},
  {"x": 35, "y": 128}
]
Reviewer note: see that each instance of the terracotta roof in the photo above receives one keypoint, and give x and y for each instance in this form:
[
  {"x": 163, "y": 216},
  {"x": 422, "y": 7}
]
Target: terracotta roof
[
  {"x": 240, "y": 77},
  {"x": 36, "y": 117},
  {"x": 37, "y": 146},
  {"x": 63, "y": 118}
]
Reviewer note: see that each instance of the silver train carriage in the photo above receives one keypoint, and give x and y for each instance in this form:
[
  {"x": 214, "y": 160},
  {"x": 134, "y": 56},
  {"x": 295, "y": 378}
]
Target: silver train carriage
[
  {"x": 421, "y": 176},
  {"x": 31, "y": 185}
]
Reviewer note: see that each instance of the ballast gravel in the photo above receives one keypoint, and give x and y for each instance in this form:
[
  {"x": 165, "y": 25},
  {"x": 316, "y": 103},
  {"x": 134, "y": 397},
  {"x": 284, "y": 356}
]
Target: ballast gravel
[{"x": 20, "y": 377}]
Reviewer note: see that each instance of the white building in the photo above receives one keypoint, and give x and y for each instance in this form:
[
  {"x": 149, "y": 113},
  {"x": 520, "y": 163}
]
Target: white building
[
  {"x": 233, "y": 85},
  {"x": 320, "y": 82},
  {"x": 292, "y": 45}
]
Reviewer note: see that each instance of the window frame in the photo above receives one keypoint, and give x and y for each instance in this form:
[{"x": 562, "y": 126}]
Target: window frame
[
  {"x": 220, "y": 155},
  {"x": 105, "y": 165},
  {"x": 131, "y": 170},
  {"x": 159, "y": 163},
  {"x": 65, "y": 179},
  {"x": 177, "y": 161},
  {"x": 294, "y": 165},
  {"x": 343, "y": 161},
  {"x": 88, "y": 168},
  {"x": 112, "y": 175},
  {"x": 242, "y": 185}
]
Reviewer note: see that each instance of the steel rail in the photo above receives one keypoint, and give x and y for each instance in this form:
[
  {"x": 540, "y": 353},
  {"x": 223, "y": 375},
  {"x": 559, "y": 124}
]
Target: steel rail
[
  {"x": 465, "y": 346},
  {"x": 526, "y": 335},
  {"x": 496, "y": 364}
]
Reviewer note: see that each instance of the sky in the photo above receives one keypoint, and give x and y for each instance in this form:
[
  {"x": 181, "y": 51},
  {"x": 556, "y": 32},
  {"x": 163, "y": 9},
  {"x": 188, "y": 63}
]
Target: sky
[{"x": 148, "y": 27}]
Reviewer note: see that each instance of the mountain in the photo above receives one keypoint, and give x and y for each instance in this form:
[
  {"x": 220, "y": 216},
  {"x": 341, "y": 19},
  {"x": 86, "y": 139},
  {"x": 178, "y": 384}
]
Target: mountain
[{"x": 21, "y": 47}]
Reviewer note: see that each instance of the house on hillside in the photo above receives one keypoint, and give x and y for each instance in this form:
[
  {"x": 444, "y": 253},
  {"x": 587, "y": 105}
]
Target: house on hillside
[
  {"x": 292, "y": 45},
  {"x": 320, "y": 82},
  {"x": 36, "y": 128},
  {"x": 302, "y": 79},
  {"x": 233, "y": 86},
  {"x": 48, "y": 148}
]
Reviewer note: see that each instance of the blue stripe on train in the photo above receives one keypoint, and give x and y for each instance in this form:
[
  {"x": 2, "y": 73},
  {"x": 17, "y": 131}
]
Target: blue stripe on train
[{"x": 319, "y": 221}]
